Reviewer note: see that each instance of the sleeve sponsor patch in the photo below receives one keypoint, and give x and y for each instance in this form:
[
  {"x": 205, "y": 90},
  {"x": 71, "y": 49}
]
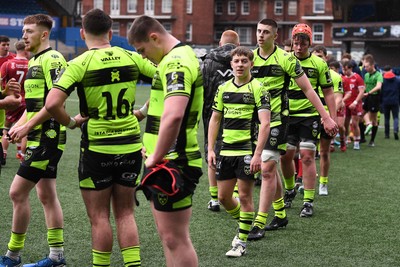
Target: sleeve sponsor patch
[
  {"x": 298, "y": 69},
  {"x": 175, "y": 81}
]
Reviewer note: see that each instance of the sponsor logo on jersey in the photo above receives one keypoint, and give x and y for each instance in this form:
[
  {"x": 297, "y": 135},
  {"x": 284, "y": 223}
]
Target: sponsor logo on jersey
[
  {"x": 106, "y": 59},
  {"x": 276, "y": 70},
  {"x": 175, "y": 81}
]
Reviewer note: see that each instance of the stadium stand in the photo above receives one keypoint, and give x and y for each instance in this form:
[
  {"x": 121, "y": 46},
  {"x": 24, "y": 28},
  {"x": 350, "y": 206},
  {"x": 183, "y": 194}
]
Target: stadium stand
[{"x": 22, "y": 7}]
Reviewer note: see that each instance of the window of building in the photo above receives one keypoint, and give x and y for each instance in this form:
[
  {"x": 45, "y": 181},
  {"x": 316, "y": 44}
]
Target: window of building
[
  {"x": 149, "y": 7},
  {"x": 189, "y": 32},
  {"x": 231, "y": 7},
  {"x": 245, "y": 35},
  {"x": 218, "y": 8},
  {"x": 128, "y": 26},
  {"x": 318, "y": 33},
  {"x": 114, "y": 6},
  {"x": 218, "y": 34},
  {"x": 289, "y": 34},
  {"x": 167, "y": 26},
  {"x": 166, "y": 6},
  {"x": 278, "y": 8},
  {"x": 319, "y": 6},
  {"x": 115, "y": 28},
  {"x": 132, "y": 6},
  {"x": 98, "y": 4},
  {"x": 189, "y": 6},
  {"x": 79, "y": 8},
  {"x": 245, "y": 7},
  {"x": 292, "y": 8}
]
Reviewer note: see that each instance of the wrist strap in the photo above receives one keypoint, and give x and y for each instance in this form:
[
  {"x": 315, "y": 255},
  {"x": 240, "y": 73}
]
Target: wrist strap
[
  {"x": 72, "y": 123},
  {"x": 144, "y": 110}
]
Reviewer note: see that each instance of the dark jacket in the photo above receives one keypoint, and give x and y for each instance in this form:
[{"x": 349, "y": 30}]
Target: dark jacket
[
  {"x": 390, "y": 91},
  {"x": 216, "y": 69}
]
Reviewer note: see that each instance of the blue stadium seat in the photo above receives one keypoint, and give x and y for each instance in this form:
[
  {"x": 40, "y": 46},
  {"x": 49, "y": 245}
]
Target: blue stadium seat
[{"x": 22, "y": 7}]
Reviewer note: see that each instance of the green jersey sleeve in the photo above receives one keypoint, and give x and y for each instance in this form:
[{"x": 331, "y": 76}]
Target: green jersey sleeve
[
  {"x": 337, "y": 82},
  {"x": 218, "y": 104},
  {"x": 325, "y": 79}
]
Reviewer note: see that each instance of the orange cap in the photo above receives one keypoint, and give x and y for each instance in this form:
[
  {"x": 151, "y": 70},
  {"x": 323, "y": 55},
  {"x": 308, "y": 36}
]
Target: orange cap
[{"x": 302, "y": 28}]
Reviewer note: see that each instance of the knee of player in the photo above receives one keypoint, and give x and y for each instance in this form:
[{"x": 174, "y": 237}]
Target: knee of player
[
  {"x": 246, "y": 203},
  {"x": 224, "y": 199},
  {"x": 307, "y": 151},
  {"x": 17, "y": 196},
  {"x": 324, "y": 155},
  {"x": 170, "y": 240}
]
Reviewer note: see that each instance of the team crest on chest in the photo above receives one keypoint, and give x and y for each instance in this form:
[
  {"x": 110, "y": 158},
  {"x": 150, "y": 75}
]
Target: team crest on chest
[
  {"x": 115, "y": 76},
  {"x": 248, "y": 98},
  {"x": 310, "y": 73},
  {"x": 34, "y": 71}
]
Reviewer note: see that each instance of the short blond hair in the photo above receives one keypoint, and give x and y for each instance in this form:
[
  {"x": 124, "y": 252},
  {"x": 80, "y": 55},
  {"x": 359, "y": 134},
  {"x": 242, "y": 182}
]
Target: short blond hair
[{"x": 229, "y": 37}]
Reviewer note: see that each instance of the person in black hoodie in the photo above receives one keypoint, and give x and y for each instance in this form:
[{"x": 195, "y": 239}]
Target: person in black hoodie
[
  {"x": 390, "y": 100},
  {"x": 216, "y": 69}
]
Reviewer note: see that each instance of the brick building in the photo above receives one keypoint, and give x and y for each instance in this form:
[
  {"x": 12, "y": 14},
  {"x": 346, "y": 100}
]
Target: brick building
[
  {"x": 201, "y": 22},
  {"x": 183, "y": 18},
  {"x": 356, "y": 26}
]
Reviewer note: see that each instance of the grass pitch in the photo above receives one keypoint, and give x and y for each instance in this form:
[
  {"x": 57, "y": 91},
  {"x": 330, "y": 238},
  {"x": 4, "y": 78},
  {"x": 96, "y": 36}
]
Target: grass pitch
[{"x": 356, "y": 225}]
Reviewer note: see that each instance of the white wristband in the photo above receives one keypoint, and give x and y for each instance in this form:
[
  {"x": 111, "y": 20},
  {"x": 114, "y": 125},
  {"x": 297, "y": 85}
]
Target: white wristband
[
  {"x": 355, "y": 102},
  {"x": 144, "y": 110},
  {"x": 72, "y": 123}
]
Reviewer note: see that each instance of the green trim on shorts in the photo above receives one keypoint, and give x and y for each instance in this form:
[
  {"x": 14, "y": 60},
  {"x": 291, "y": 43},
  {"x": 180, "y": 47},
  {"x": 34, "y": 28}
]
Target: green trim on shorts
[
  {"x": 183, "y": 203},
  {"x": 87, "y": 183},
  {"x": 42, "y": 165}
]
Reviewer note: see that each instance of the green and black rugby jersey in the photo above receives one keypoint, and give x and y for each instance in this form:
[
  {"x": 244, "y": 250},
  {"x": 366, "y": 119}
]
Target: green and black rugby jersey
[
  {"x": 238, "y": 104},
  {"x": 43, "y": 69},
  {"x": 318, "y": 73},
  {"x": 178, "y": 74},
  {"x": 275, "y": 73},
  {"x": 337, "y": 86},
  {"x": 105, "y": 80},
  {"x": 2, "y": 120}
]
